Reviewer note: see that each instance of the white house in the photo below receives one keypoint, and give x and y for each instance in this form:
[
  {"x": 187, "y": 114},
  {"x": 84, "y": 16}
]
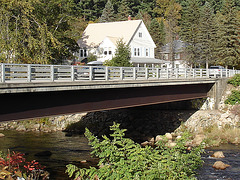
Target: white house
[
  {"x": 179, "y": 54},
  {"x": 101, "y": 39}
]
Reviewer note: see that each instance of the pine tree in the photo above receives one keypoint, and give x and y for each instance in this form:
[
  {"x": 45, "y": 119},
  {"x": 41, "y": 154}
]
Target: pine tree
[
  {"x": 123, "y": 11},
  {"x": 108, "y": 13},
  {"x": 169, "y": 10},
  {"x": 122, "y": 55},
  {"x": 228, "y": 47},
  {"x": 190, "y": 30},
  {"x": 147, "y": 19},
  {"x": 207, "y": 34},
  {"x": 157, "y": 32}
]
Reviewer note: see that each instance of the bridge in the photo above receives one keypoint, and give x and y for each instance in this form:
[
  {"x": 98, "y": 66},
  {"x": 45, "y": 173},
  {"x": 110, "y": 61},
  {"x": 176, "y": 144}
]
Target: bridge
[{"x": 32, "y": 90}]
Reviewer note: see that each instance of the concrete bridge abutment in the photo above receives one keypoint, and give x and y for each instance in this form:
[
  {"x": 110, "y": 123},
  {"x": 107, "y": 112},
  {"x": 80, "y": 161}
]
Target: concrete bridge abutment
[{"x": 215, "y": 94}]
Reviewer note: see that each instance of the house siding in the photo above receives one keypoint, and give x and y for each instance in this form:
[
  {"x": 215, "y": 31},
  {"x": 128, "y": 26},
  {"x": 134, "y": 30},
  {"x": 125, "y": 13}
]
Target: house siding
[{"x": 142, "y": 41}]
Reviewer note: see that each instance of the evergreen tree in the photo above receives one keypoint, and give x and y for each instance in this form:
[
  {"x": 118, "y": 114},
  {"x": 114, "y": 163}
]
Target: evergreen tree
[
  {"x": 207, "y": 35},
  {"x": 158, "y": 34},
  {"x": 169, "y": 10},
  {"x": 147, "y": 19},
  {"x": 190, "y": 30},
  {"x": 228, "y": 47},
  {"x": 122, "y": 56},
  {"x": 123, "y": 11},
  {"x": 108, "y": 13}
]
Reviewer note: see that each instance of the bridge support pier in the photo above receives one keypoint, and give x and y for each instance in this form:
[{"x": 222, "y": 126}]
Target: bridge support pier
[{"x": 215, "y": 93}]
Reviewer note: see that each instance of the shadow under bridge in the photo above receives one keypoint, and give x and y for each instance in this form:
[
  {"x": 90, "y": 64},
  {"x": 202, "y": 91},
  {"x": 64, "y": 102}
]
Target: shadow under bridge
[{"x": 39, "y": 100}]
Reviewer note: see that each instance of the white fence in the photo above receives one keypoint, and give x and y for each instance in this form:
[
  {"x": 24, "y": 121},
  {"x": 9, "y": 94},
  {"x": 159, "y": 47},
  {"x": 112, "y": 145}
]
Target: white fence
[{"x": 43, "y": 73}]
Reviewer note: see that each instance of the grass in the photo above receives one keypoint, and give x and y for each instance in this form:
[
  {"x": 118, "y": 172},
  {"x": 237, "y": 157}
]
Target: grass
[{"x": 216, "y": 136}]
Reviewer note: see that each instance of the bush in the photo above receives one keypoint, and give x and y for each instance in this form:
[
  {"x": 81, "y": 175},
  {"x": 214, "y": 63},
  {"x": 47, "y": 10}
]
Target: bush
[
  {"x": 122, "y": 158},
  {"x": 233, "y": 98},
  {"x": 235, "y": 80},
  {"x": 13, "y": 166}
]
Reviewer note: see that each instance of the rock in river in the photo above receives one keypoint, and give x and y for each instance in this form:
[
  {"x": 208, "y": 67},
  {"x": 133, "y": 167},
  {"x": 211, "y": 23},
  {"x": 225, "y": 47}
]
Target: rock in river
[
  {"x": 1, "y": 135},
  {"x": 220, "y": 165},
  {"x": 218, "y": 154}
]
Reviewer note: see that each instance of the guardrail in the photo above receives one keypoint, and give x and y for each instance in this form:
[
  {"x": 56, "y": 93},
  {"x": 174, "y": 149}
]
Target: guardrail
[{"x": 42, "y": 73}]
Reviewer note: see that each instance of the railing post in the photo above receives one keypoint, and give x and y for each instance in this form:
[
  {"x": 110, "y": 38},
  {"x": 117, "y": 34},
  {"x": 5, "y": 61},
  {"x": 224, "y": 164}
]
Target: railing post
[
  {"x": 193, "y": 73},
  {"x": 90, "y": 73},
  {"x": 29, "y": 72},
  {"x": 146, "y": 73},
  {"x": 167, "y": 74},
  {"x": 52, "y": 72},
  {"x": 72, "y": 73},
  {"x": 134, "y": 73},
  {"x": 185, "y": 73},
  {"x": 121, "y": 73},
  {"x": 106, "y": 73},
  {"x": 157, "y": 74},
  {"x": 3, "y": 72},
  {"x": 221, "y": 73},
  {"x": 201, "y": 73},
  {"x": 177, "y": 73}
]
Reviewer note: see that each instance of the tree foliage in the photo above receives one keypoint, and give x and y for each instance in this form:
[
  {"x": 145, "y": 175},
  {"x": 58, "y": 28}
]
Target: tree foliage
[
  {"x": 35, "y": 31},
  {"x": 228, "y": 44},
  {"x": 190, "y": 30},
  {"x": 207, "y": 35},
  {"x": 108, "y": 14},
  {"x": 122, "y": 56},
  {"x": 122, "y": 158}
]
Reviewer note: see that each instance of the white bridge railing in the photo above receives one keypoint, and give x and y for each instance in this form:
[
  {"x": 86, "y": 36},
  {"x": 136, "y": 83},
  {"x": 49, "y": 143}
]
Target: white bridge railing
[{"x": 42, "y": 73}]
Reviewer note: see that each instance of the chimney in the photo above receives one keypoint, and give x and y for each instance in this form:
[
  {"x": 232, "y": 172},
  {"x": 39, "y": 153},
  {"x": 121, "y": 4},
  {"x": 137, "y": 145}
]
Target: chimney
[{"x": 129, "y": 18}]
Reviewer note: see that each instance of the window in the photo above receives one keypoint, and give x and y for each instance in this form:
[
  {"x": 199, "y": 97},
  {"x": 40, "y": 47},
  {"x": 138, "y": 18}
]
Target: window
[
  {"x": 140, "y": 34},
  {"x": 109, "y": 50},
  {"x": 136, "y": 51},
  {"x": 177, "y": 56},
  {"x": 83, "y": 52},
  {"x": 165, "y": 56},
  {"x": 147, "y": 52},
  {"x": 105, "y": 52}
]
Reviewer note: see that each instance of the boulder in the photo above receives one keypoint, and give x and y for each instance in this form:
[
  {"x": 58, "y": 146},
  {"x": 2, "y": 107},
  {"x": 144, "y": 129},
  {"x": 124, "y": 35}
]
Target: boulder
[
  {"x": 168, "y": 136},
  {"x": 171, "y": 144},
  {"x": 144, "y": 143},
  {"x": 220, "y": 165},
  {"x": 21, "y": 128},
  {"x": 218, "y": 154},
  {"x": 198, "y": 139},
  {"x": 159, "y": 138},
  {"x": 1, "y": 135}
]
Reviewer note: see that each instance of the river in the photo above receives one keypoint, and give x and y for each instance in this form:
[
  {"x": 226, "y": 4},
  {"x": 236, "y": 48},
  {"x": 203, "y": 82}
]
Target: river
[{"x": 75, "y": 149}]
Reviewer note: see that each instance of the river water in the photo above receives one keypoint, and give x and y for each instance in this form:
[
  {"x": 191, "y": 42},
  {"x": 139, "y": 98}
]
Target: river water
[{"x": 75, "y": 149}]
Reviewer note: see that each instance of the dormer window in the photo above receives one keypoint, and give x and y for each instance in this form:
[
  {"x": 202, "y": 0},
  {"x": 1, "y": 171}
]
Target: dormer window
[{"x": 140, "y": 34}]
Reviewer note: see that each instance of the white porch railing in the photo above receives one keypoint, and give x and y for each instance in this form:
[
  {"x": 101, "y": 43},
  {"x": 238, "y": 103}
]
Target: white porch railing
[{"x": 42, "y": 73}]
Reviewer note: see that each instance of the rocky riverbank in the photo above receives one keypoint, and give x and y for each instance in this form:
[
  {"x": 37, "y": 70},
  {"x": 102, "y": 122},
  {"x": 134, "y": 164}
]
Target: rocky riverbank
[
  {"x": 46, "y": 124},
  {"x": 145, "y": 123}
]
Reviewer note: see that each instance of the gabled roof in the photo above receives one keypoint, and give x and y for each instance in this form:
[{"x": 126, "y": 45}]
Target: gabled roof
[{"x": 96, "y": 32}]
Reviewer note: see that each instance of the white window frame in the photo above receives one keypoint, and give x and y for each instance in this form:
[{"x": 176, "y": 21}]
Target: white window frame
[
  {"x": 147, "y": 52},
  {"x": 83, "y": 52},
  {"x": 136, "y": 51},
  {"x": 177, "y": 55}
]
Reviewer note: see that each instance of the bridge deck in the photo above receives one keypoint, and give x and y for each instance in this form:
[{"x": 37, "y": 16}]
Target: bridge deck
[{"x": 64, "y": 86}]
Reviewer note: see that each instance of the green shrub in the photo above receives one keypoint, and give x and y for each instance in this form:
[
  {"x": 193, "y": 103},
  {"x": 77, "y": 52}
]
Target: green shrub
[
  {"x": 122, "y": 158},
  {"x": 233, "y": 98},
  {"x": 235, "y": 80}
]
